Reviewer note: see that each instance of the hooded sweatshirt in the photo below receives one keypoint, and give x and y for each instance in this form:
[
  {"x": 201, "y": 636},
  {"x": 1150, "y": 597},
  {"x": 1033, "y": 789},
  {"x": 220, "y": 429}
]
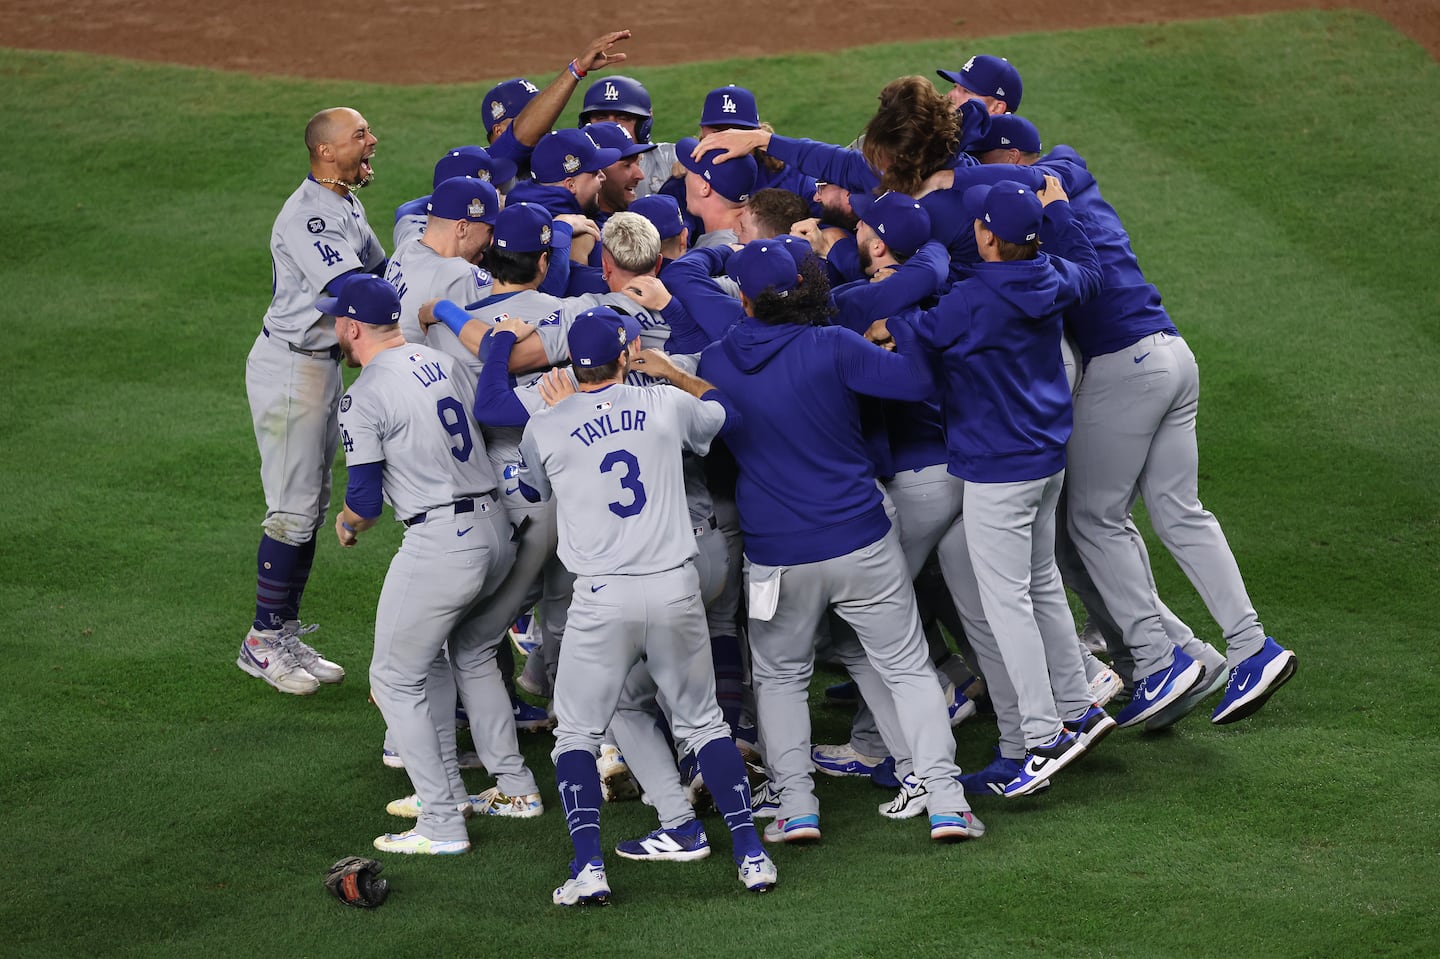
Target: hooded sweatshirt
[
  {"x": 806, "y": 490},
  {"x": 1007, "y": 402}
]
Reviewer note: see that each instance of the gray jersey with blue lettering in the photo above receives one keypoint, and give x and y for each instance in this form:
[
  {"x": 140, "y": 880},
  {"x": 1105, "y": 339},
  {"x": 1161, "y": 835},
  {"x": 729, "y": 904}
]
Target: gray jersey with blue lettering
[
  {"x": 317, "y": 236},
  {"x": 421, "y": 275},
  {"x": 654, "y": 331},
  {"x": 411, "y": 407},
  {"x": 612, "y": 459}
]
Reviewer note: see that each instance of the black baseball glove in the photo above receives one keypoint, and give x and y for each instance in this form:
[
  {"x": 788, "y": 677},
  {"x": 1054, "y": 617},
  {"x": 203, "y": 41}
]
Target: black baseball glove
[{"x": 353, "y": 881}]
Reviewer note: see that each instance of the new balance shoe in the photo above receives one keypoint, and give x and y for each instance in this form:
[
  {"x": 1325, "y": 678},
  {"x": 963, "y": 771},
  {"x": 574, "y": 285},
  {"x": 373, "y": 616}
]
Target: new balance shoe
[
  {"x": 1159, "y": 689},
  {"x": 587, "y": 886},
  {"x": 909, "y": 803},
  {"x": 263, "y": 656},
  {"x": 616, "y": 781},
  {"x": 958, "y": 705},
  {"x": 1093, "y": 726},
  {"x": 1105, "y": 686},
  {"x": 310, "y": 660},
  {"x": 1254, "y": 681},
  {"x": 764, "y": 802},
  {"x": 492, "y": 802},
  {"x": 1042, "y": 762},
  {"x": 844, "y": 760},
  {"x": 412, "y": 843},
  {"x": 410, "y": 806},
  {"x": 794, "y": 829},
  {"x": 684, "y": 843},
  {"x": 846, "y": 693},
  {"x": 525, "y": 634},
  {"x": 953, "y": 827},
  {"x": 758, "y": 872},
  {"x": 884, "y": 774},
  {"x": 530, "y": 719}
]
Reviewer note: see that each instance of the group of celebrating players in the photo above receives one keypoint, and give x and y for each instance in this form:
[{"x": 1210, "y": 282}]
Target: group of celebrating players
[{"x": 715, "y": 408}]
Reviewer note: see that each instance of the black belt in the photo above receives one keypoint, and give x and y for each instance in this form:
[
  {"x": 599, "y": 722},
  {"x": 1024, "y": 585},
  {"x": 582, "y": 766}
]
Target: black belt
[
  {"x": 457, "y": 507},
  {"x": 708, "y": 524},
  {"x": 331, "y": 354}
]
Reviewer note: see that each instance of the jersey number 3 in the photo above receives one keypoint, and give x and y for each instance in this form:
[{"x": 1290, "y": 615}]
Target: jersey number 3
[{"x": 629, "y": 480}]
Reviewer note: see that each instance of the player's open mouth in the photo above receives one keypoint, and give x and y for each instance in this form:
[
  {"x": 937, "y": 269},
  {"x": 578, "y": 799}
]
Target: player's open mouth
[{"x": 365, "y": 168}]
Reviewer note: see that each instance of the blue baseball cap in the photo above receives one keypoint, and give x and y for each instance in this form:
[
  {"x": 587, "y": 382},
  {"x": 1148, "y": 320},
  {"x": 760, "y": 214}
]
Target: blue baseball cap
[
  {"x": 522, "y": 228},
  {"x": 364, "y": 297},
  {"x": 763, "y": 266},
  {"x": 505, "y": 100},
  {"x": 734, "y": 179},
  {"x": 989, "y": 77},
  {"x": 613, "y": 136},
  {"x": 465, "y": 198},
  {"x": 472, "y": 161},
  {"x": 1009, "y": 209},
  {"x": 898, "y": 220},
  {"x": 798, "y": 247},
  {"x": 633, "y": 329},
  {"x": 1009, "y": 131},
  {"x": 596, "y": 337},
  {"x": 730, "y": 106},
  {"x": 662, "y": 210},
  {"x": 561, "y": 154}
]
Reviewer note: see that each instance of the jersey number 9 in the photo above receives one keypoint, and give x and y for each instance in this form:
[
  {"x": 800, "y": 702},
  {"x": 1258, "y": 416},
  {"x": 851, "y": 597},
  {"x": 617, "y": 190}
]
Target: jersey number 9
[{"x": 452, "y": 417}]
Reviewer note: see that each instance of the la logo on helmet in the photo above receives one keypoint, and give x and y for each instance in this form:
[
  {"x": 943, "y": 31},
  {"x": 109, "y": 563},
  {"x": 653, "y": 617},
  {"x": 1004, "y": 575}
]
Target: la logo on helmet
[{"x": 611, "y": 93}]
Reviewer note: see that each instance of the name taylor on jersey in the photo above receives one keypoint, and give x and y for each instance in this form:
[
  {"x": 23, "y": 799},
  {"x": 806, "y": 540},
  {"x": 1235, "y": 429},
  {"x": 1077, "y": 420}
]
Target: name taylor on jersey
[{"x": 604, "y": 425}]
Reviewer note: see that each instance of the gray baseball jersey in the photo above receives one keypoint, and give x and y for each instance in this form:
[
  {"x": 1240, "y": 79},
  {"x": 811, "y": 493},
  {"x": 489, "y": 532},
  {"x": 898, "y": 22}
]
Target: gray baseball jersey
[
  {"x": 421, "y": 275},
  {"x": 318, "y": 236},
  {"x": 409, "y": 226},
  {"x": 654, "y": 331},
  {"x": 656, "y": 165},
  {"x": 412, "y": 407},
  {"x": 615, "y": 466}
]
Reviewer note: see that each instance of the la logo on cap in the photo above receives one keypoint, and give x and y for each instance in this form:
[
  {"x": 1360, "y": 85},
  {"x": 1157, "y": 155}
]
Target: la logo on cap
[
  {"x": 968, "y": 64},
  {"x": 727, "y": 105}
]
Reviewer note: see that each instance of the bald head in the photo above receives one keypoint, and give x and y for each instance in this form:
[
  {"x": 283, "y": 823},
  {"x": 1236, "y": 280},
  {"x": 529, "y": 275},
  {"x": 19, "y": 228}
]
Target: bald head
[{"x": 328, "y": 125}]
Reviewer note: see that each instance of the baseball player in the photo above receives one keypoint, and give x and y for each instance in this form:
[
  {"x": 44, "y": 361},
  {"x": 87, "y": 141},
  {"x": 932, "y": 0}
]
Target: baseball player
[
  {"x": 624, "y": 100},
  {"x": 1007, "y": 414},
  {"x": 618, "y": 190},
  {"x": 990, "y": 80},
  {"x": 504, "y": 102},
  {"x": 441, "y": 262},
  {"x": 1135, "y": 416},
  {"x": 410, "y": 440},
  {"x": 292, "y": 379},
  {"x": 714, "y": 193},
  {"x": 610, "y": 454},
  {"x": 462, "y": 161},
  {"x": 831, "y": 546}
]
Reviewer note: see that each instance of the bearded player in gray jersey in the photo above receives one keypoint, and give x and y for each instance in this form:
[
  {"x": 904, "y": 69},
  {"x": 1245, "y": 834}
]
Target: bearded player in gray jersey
[
  {"x": 293, "y": 383},
  {"x": 410, "y": 439},
  {"x": 610, "y": 455}
]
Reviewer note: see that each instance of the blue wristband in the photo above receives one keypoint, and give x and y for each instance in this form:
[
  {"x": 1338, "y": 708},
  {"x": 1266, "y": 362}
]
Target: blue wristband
[{"x": 451, "y": 315}]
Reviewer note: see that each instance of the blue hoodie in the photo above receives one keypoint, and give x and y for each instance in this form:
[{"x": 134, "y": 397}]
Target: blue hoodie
[
  {"x": 1007, "y": 403},
  {"x": 806, "y": 490},
  {"x": 1128, "y": 308}
]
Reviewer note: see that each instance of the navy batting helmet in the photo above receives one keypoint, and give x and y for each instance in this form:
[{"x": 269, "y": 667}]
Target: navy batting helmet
[{"x": 620, "y": 95}]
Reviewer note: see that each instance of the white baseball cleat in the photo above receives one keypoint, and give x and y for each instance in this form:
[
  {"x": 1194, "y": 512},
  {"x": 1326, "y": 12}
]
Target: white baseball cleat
[
  {"x": 1106, "y": 685},
  {"x": 492, "y": 802},
  {"x": 412, "y": 843},
  {"x": 264, "y": 657},
  {"x": 305, "y": 654},
  {"x": 585, "y": 887},
  {"x": 616, "y": 782},
  {"x": 909, "y": 803},
  {"x": 758, "y": 872}
]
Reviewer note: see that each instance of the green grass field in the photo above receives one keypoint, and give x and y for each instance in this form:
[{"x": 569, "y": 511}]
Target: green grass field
[{"x": 1276, "y": 175}]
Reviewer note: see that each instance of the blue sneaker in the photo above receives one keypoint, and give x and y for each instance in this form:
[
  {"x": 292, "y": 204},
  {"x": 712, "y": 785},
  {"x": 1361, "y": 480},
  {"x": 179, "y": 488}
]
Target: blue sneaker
[
  {"x": 959, "y": 706},
  {"x": 846, "y": 693},
  {"x": 1043, "y": 761},
  {"x": 993, "y": 779},
  {"x": 1161, "y": 688},
  {"x": 1211, "y": 682},
  {"x": 684, "y": 843},
  {"x": 884, "y": 774},
  {"x": 1254, "y": 681},
  {"x": 530, "y": 719},
  {"x": 844, "y": 760},
  {"x": 764, "y": 801},
  {"x": 794, "y": 829},
  {"x": 953, "y": 827},
  {"x": 1092, "y": 727}
]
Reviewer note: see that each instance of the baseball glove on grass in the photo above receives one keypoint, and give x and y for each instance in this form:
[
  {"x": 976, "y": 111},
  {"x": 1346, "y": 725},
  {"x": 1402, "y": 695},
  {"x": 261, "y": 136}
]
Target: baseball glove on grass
[{"x": 353, "y": 881}]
